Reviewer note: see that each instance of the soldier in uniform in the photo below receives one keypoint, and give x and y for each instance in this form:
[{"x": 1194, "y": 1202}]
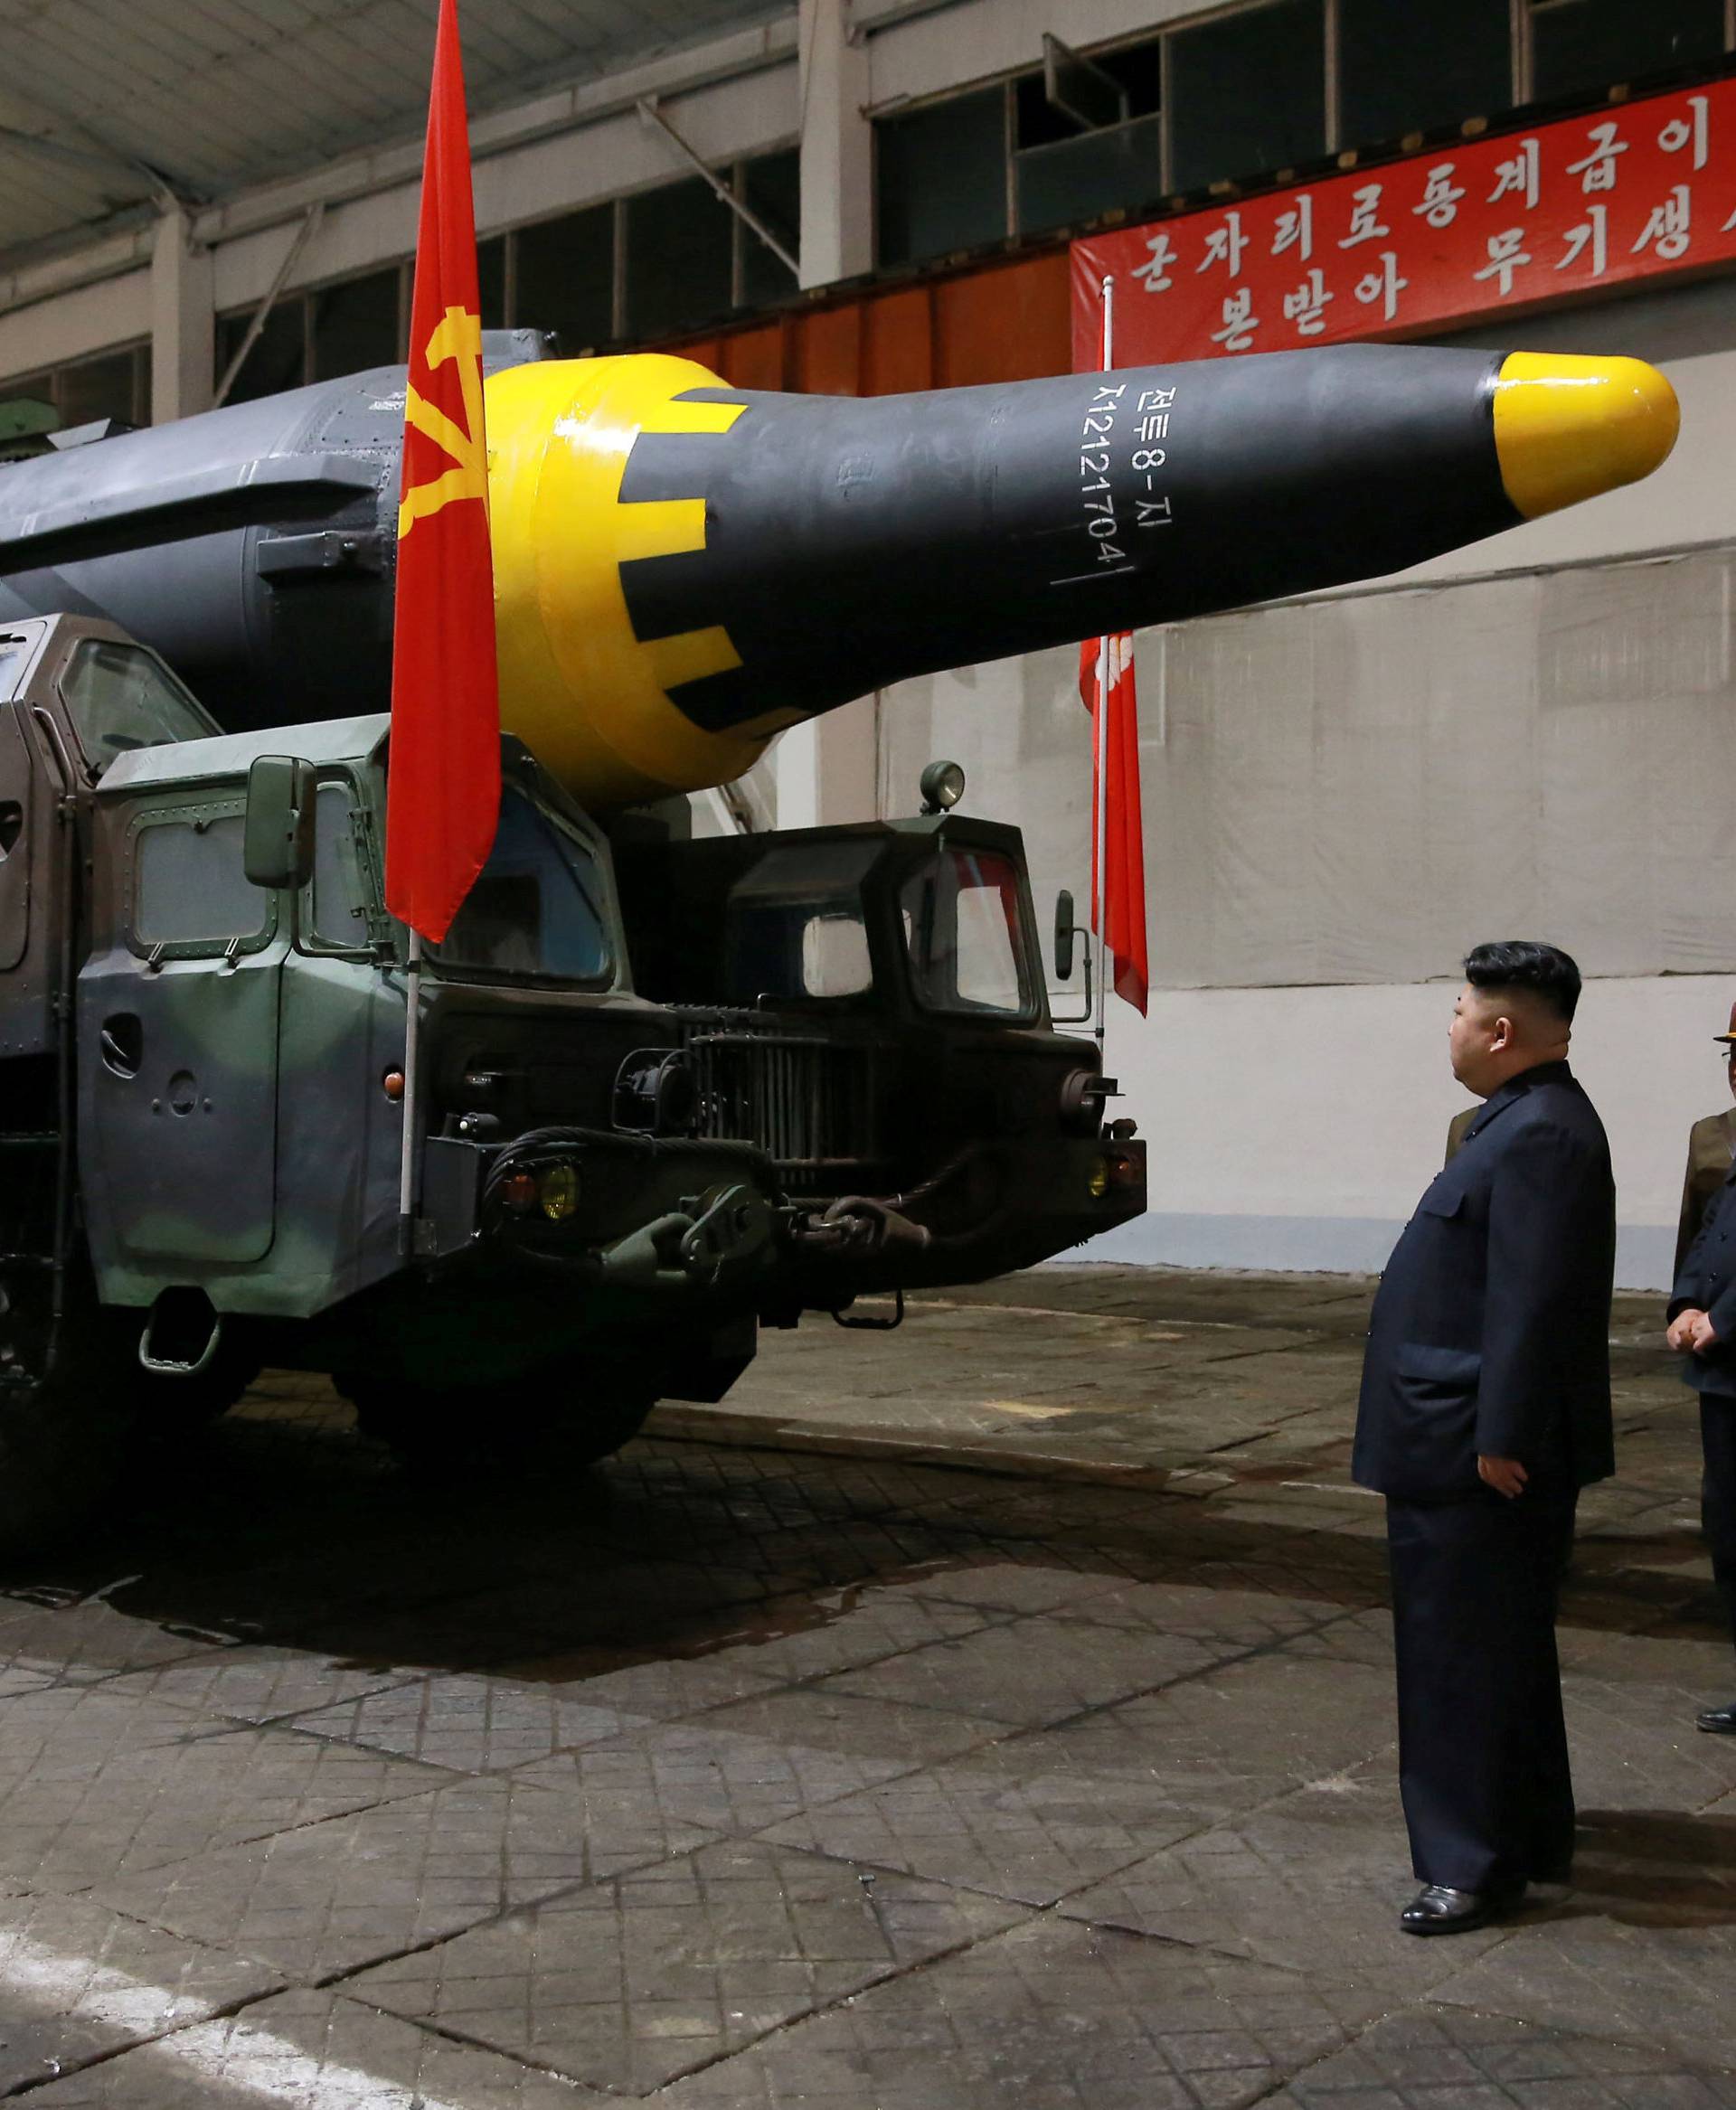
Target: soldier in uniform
[
  {"x": 1711, "y": 1147},
  {"x": 1702, "y": 1327}
]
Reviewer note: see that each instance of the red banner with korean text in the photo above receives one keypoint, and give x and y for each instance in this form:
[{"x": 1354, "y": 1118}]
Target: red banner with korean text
[{"x": 1445, "y": 237}]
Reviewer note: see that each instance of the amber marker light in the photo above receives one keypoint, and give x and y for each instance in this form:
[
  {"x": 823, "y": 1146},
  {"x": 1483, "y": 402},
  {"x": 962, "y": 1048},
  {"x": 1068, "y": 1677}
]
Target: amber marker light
[
  {"x": 558, "y": 1191},
  {"x": 1568, "y": 428},
  {"x": 392, "y": 1084}
]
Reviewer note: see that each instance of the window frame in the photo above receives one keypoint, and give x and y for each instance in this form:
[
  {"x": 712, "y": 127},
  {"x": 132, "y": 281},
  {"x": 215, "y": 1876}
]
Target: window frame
[
  {"x": 943, "y": 852},
  {"x": 77, "y": 649},
  {"x": 228, "y": 803},
  {"x": 364, "y": 838},
  {"x": 615, "y": 951}
]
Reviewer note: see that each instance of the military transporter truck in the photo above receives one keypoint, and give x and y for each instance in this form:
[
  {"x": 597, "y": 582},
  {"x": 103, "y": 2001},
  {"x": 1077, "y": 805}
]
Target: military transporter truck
[{"x": 671, "y": 1089}]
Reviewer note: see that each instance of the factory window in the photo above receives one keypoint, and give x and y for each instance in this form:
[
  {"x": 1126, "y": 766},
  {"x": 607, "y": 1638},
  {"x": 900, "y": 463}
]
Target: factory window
[
  {"x": 1086, "y": 134},
  {"x": 643, "y": 267},
  {"x": 114, "y": 384},
  {"x": 564, "y": 279},
  {"x": 680, "y": 258},
  {"x": 770, "y": 185},
  {"x": 1587, "y": 44},
  {"x": 1248, "y": 93},
  {"x": 278, "y": 357},
  {"x": 355, "y": 324},
  {"x": 1453, "y": 61},
  {"x": 940, "y": 177}
]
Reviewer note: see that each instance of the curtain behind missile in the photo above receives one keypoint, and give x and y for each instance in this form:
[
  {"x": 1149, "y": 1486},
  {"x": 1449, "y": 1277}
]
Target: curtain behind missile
[
  {"x": 443, "y": 791},
  {"x": 1123, "y": 849}
]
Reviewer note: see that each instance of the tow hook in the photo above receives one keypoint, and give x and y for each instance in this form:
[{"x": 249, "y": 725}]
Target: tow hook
[
  {"x": 859, "y": 1226},
  {"x": 717, "y": 1233}
]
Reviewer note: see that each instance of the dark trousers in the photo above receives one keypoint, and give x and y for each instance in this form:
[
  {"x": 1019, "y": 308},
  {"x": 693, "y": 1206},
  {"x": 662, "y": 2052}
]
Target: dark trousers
[
  {"x": 1718, "y": 1492},
  {"x": 1482, "y": 1765}
]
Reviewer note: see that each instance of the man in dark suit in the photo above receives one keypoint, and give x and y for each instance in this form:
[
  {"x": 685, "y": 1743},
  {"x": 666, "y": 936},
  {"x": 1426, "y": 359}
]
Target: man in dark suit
[
  {"x": 1703, "y": 1328},
  {"x": 1484, "y": 1409}
]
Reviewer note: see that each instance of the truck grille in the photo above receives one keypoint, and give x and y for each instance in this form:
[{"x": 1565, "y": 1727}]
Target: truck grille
[{"x": 810, "y": 1105}]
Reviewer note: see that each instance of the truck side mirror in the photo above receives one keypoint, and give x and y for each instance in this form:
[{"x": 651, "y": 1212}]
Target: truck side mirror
[
  {"x": 278, "y": 843},
  {"x": 1063, "y": 935}
]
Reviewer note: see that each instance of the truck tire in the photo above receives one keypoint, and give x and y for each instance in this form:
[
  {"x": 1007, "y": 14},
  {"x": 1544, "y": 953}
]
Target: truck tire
[
  {"x": 63, "y": 1439},
  {"x": 486, "y": 1427}
]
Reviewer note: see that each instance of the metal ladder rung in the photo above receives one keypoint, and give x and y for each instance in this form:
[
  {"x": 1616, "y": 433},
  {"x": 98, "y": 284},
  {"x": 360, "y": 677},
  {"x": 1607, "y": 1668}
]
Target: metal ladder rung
[
  {"x": 31, "y": 1139},
  {"x": 26, "y": 1260}
]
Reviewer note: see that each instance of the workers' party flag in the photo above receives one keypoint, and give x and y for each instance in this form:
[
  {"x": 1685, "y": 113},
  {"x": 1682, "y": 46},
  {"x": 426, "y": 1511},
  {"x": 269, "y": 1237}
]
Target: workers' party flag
[
  {"x": 443, "y": 790},
  {"x": 1106, "y": 682}
]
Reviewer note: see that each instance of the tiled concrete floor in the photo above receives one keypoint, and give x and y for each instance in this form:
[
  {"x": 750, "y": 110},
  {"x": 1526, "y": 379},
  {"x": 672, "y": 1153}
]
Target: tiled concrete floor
[{"x": 991, "y": 1716}]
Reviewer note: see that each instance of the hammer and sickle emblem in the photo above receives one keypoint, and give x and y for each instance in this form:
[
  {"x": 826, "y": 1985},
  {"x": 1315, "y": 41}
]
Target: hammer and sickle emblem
[{"x": 458, "y": 335}]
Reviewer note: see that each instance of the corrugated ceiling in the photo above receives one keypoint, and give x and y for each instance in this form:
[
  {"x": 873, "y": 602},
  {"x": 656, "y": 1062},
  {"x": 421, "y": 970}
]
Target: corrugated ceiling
[{"x": 211, "y": 96}]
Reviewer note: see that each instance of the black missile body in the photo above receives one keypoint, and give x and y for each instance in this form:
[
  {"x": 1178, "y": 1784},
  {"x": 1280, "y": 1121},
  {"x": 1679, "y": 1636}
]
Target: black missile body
[{"x": 682, "y": 568}]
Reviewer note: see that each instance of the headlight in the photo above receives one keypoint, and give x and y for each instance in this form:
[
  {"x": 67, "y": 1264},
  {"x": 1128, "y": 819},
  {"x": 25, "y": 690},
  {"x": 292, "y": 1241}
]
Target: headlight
[
  {"x": 1098, "y": 1180},
  {"x": 557, "y": 1190}
]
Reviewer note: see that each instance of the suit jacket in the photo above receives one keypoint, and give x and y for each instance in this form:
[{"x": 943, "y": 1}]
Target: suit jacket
[
  {"x": 1712, "y": 1149},
  {"x": 1490, "y": 1331},
  {"x": 1706, "y": 1280}
]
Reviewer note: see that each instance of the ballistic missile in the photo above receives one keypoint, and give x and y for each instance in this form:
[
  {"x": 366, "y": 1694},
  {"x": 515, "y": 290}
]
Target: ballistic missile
[{"x": 683, "y": 569}]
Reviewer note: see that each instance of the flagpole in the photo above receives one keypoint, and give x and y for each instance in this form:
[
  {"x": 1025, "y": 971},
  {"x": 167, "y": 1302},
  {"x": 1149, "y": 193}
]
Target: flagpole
[
  {"x": 411, "y": 1098},
  {"x": 1100, "y": 743}
]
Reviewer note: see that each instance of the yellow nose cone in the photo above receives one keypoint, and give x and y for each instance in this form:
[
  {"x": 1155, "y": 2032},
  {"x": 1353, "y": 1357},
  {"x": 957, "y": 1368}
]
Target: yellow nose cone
[{"x": 1568, "y": 428}]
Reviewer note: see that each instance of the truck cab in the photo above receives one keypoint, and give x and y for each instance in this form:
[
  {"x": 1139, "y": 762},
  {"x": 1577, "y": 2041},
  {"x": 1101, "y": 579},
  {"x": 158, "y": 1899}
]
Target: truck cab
[{"x": 669, "y": 1091}]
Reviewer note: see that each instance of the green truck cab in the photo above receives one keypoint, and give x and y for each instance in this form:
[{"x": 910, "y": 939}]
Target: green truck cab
[{"x": 670, "y": 1090}]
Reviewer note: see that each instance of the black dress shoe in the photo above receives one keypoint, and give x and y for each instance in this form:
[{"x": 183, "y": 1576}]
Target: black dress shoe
[
  {"x": 1718, "y": 1721},
  {"x": 1437, "y": 1910}
]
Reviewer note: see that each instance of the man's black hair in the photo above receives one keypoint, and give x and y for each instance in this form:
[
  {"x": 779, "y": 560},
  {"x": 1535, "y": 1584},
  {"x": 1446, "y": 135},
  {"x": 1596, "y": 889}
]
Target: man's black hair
[{"x": 1522, "y": 962}]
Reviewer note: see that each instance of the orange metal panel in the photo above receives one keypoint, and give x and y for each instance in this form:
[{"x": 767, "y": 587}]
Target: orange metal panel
[
  {"x": 897, "y": 341},
  {"x": 828, "y": 351},
  {"x": 754, "y": 359},
  {"x": 1009, "y": 322}
]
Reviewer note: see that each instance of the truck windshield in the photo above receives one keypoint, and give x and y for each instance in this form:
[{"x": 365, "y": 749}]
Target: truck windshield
[
  {"x": 964, "y": 929},
  {"x": 794, "y": 925},
  {"x": 537, "y": 907},
  {"x": 120, "y": 697}
]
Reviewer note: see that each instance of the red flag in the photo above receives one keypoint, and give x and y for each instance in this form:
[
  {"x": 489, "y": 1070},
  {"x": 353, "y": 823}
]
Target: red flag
[
  {"x": 443, "y": 790},
  {"x": 1123, "y": 891}
]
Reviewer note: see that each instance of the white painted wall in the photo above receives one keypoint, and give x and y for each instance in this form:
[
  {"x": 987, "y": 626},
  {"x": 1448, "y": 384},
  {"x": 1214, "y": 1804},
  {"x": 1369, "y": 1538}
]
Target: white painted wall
[{"x": 1297, "y": 1127}]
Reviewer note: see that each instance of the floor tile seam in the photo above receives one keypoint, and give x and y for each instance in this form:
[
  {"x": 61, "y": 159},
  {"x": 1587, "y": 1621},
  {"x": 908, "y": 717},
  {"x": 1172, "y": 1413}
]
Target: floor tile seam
[
  {"x": 892, "y": 1971},
  {"x": 223, "y": 2012},
  {"x": 334, "y": 1980},
  {"x": 584, "y": 2091},
  {"x": 825, "y": 1801},
  {"x": 901, "y": 1974},
  {"x": 66, "y": 1679},
  {"x": 287, "y": 1727},
  {"x": 1630, "y": 2041},
  {"x": 91, "y": 1889}
]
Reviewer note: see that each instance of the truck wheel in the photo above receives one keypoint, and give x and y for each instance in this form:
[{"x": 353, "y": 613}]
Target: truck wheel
[
  {"x": 63, "y": 1439},
  {"x": 485, "y": 1427}
]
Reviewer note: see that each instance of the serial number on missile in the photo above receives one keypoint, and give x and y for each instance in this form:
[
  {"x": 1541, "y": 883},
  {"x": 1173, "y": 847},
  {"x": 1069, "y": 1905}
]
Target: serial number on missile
[
  {"x": 1150, "y": 424},
  {"x": 1097, "y": 498}
]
